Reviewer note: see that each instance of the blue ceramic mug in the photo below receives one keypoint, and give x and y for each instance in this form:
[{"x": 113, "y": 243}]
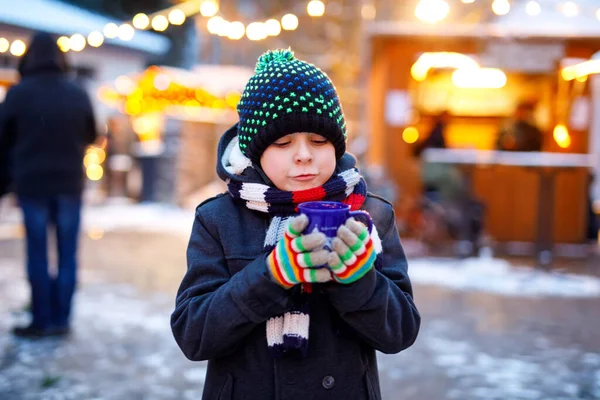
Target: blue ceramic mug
[{"x": 328, "y": 216}]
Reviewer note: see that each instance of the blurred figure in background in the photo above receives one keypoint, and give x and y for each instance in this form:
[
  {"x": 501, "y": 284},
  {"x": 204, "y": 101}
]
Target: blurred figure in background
[
  {"x": 520, "y": 134},
  {"x": 436, "y": 138},
  {"x": 440, "y": 181},
  {"x": 447, "y": 203},
  {"x": 46, "y": 124}
]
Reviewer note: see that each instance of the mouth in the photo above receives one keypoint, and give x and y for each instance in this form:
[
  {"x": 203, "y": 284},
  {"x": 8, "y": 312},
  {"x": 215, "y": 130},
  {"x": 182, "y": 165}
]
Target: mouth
[{"x": 304, "y": 177}]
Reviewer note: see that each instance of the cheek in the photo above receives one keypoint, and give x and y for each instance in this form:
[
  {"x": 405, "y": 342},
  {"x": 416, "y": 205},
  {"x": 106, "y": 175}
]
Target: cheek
[
  {"x": 327, "y": 162},
  {"x": 272, "y": 165}
]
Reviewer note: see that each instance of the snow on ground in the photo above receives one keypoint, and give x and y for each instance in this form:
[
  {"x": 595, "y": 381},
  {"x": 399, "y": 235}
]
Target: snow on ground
[
  {"x": 500, "y": 277},
  {"x": 139, "y": 217},
  {"x": 122, "y": 347},
  {"x": 97, "y": 219},
  {"x": 475, "y": 372}
]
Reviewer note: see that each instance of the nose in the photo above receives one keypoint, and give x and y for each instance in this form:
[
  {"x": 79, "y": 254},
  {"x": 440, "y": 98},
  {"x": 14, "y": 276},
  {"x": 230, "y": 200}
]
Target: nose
[{"x": 303, "y": 154}]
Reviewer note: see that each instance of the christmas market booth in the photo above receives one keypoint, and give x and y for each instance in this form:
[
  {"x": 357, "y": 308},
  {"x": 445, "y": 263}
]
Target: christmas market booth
[
  {"x": 169, "y": 120},
  {"x": 477, "y": 76}
]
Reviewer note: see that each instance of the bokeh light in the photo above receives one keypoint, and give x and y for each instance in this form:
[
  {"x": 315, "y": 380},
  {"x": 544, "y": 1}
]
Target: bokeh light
[
  {"x": 111, "y": 30},
  {"x": 17, "y": 48},
  {"x": 533, "y": 8},
  {"x": 94, "y": 172},
  {"x": 141, "y": 21},
  {"x": 501, "y": 7},
  {"x": 237, "y": 30},
  {"x": 224, "y": 28},
  {"x": 561, "y": 136},
  {"x": 177, "y": 17},
  {"x": 143, "y": 125},
  {"x": 410, "y": 134},
  {"x": 570, "y": 9},
  {"x": 64, "y": 44},
  {"x": 77, "y": 42},
  {"x": 160, "y": 23},
  {"x": 273, "y": 27},
  {"x": 95, "y": 39},
  {"x": 256, "y": 31},
  {"x": 214, "y": 25},
  {"x": 289, "y": 22},
  {"x": 432, "y": 11},
  {"x": 209, "y": 8},
  {"x": 315, "y": 8},
  {"x": 91, "y": 158},
  {"x": 126, "y": 32}
]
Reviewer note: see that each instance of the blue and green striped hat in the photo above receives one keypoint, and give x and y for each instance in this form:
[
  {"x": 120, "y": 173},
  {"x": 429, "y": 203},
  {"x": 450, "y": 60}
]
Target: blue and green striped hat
[{"x": 286, "y": 95}]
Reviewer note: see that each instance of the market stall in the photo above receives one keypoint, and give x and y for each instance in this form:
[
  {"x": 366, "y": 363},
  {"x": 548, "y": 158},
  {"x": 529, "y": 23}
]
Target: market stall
[
  {"x": 177, "y": 117},
  {"x": 479, "y": 74}
]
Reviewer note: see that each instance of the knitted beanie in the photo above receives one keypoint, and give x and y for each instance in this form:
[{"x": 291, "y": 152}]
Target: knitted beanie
[{"x": 286, "y": 95}]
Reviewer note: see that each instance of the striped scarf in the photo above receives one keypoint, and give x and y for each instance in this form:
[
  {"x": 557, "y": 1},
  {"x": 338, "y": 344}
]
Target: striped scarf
[
  {"x": 288, "y": 333},
  {"x": 347, "y": 187}
]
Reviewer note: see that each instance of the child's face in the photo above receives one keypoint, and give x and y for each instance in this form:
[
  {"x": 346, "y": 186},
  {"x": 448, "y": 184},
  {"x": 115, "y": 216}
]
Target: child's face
[{"x": 299, "y": 161}]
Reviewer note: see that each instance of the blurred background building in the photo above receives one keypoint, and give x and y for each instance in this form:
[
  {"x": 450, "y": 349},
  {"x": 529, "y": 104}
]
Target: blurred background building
[{"x": 166, "y": 76}]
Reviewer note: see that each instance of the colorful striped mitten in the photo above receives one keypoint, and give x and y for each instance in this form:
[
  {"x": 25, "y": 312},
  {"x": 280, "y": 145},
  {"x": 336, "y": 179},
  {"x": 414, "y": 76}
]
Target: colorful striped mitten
[
  {"x": 353, "y": 254},
  {"x": 294, "y": 258}
]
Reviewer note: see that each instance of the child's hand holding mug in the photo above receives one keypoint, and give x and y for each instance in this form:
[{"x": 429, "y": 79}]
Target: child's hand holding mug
[
  {"x": 353, "y": 254},
  {"x": 298, "y": 258},
  {"x": 349, "y": 242}
]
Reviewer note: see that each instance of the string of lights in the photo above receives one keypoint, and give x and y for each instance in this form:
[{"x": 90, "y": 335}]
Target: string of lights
[
  {"x": 17, "y": 47},
  {"x": 258, "y": 30},
  {"x": 177, "y": 15}
]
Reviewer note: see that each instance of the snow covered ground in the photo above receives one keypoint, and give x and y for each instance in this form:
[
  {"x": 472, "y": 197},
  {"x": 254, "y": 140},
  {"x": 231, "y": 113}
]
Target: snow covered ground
[
  {"x": 139, "y": 217},
  {"x": 114, "y": 217},
  {"x": 122, "y": 347},
  {"x": 500, "y": 276}
]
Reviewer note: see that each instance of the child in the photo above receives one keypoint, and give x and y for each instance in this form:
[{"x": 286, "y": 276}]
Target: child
[{"x": 253, "y": 301}]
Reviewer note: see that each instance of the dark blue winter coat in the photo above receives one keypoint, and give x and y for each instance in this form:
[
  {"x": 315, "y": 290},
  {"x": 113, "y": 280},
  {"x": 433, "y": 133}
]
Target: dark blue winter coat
[
  {"x": 45, "y": 125},
  {"x": 227, "y": 295}
]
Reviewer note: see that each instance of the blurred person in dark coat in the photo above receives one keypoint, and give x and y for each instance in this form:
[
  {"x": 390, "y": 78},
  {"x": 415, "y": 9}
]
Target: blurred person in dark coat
[
  {"x": 439, "y": 179},
  {"x": 520, "y": 134},
  {"x": 436, "y": 138},
  {"x": 47, "y": 122},
  {"x": 445, "y": 185}
]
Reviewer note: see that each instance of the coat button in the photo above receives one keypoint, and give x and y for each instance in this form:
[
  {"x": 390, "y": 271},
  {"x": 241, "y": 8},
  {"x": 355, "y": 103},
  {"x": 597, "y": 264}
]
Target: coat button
[{"x": 328, "y": 382}]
